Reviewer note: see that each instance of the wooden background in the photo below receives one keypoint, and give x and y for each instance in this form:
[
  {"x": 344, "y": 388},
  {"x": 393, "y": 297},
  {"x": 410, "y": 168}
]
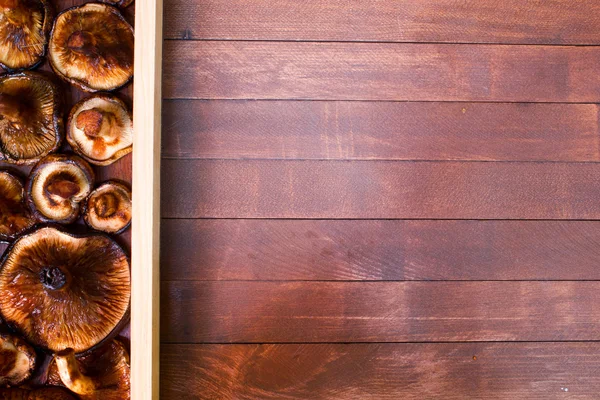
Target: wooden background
[{"x": 376, "y": 199}]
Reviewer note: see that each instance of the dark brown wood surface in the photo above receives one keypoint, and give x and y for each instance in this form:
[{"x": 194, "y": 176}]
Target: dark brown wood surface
[
  {"x": 382, "y": 371},
  {"x": 343, "y": 312},
  {"x": 379, "y": 250},
  {"x": 451, "y": 21},
  {"x": 380, "y": 130},
  {"x": 379, "y": 189},
  {"x": 376, "y": 200},
  {"x": 380, "y": 71}
]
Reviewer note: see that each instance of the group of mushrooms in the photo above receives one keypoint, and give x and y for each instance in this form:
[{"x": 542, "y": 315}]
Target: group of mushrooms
[{"x": 64, "y": 297}]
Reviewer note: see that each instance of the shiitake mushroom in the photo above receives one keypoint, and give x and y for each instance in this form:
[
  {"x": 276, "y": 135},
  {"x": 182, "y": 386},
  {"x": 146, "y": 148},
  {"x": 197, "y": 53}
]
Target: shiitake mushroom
[
  {"x": 24, "y": 29},
  {"x": 57, "y": 185},
  {"x": 100, "y": 129},
  {"x": 108, "y": 208},
  {"x": 46, "y": 393},
  {"x": 15, "y": 217},
  {"x": 31, "y": 121},
  {"x": 91, "y": 46},
  {"x": 101, "y": 374},
  {"x": 64, "y": 291},
  {"x": 17, "y": 360}
]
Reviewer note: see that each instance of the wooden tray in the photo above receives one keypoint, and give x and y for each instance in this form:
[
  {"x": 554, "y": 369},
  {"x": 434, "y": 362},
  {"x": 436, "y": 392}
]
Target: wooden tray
[{"x": 141, "y": 169}]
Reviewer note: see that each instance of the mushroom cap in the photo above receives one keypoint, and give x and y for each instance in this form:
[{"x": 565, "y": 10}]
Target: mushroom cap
[
  {"x": 15, "y": 217},
  {"x": 91, "y": 46},
  {"x": 31, "y": 120},
  {"x": 100, "y": 129},
  {"x": 108, "y": 208},
  {"x": 51, "y": 393},
  {"x": 24, "y": 29},
  {"x": 107, "y": 368},
  {"x": 14, "y": 394},
  {"x": 64, "y": 291},
  {"x": 57, "y": 185},
  {"x": 17, "y": 360},
  {"x": 118, "y": 3}
]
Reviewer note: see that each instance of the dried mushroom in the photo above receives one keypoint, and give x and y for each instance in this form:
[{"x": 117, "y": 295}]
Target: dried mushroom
[
  {"x": 92, "y": 47},
  {"x": 108, "y": 208},
  {"x": 57, "y": 185},
  {"x": 31, "y": 121},
  {"x": 17, "y": 360},
  {"x": 100, "y": 129},
  {"x": 103, "y": 374},
  {"x": 51, "y": 393},
  {"x": 64, "y": 291},
  {"x": 14, "y": 394},
  {"x": 118, "y": 3},
  {"x": 47, "y": 393},
  {"x": 24, "y": 28},
  {"x": 15, "y": 217}
]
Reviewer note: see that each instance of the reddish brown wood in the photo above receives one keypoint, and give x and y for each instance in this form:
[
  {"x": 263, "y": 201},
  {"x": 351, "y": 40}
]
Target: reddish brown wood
[
  {"x": 289, "y": 312},
  {"x": 380, "y": 130},
  {"x": 379, "y": 250},
  {"x": 369, "y": 189},
  {"x": 483, "y": 21},
  {"x": 381, "y": 371},
  {"x": 388, "y": 71}
]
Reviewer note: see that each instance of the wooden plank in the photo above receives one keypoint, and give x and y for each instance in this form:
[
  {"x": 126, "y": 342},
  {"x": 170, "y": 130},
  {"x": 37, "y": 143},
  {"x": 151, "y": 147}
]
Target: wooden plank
[
  {"x": 379, "y": 250},
  {"x": 379, "y": 189},
  {"x": 382, "y": 371},
  {"x": 380, "y": 130},
  {"x": 342, "y": 312},
  {"x": 145, "y": 329},
  {"x": 483, "y": 21},
  {"x": 380, "y": 71}
]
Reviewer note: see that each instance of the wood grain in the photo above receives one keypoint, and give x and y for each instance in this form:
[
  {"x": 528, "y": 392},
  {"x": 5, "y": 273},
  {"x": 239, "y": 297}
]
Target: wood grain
[
  {"x": 369, "y": 189},
  {"x": 379, "y": 250},
  {"x": 341, "y": 312},
  {"x": 380, "y": 130},
  {"x": 380, "y": 71},
  {"x": 483, "y": 21},
  {"x": 145, "y": 268},
  {"x": 382, "y": 371}
]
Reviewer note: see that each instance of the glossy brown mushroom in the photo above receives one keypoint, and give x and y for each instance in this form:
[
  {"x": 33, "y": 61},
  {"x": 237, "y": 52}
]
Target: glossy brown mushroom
[
  {"x": 17, "y": 360},
  {"x": 91, "y": 46},
  {"x": 15, "y": 217},
  {"x": 47, "y": 393},
  {"x": 100, "y": 129},
  {"x": 57, "y": 186},
  {"x": 31, "y": 121},
  {"x": 14, "y": 394},
  {"x": 103, "y": 374},
  {"x": 108, "y": 208},
  {"x": 64, "y": 291},
  {"x": 24, "y": 29}
]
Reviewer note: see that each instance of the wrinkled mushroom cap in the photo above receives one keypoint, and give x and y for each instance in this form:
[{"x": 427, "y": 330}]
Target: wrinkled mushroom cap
[
  {"x": 103, "y": 373},
  {"x": 47, "y": 393},
  {"x": 57, "y": 185},
  {"x": 63, "y": 291},
  {"x": 100, "y": 129},
  {"x": 17, "y": 360},
  {"x": 118, "y": 3},
  {"x": 24, "y": 28},
  {"x": 15, "y": 217},
  {"x": 108, "y": 208},
  {"x": 14, "y": 394},
  {"x": 31, "y": 121},
  {"x": 51, "y": 393},
  {"x": 92, "y": 47}
]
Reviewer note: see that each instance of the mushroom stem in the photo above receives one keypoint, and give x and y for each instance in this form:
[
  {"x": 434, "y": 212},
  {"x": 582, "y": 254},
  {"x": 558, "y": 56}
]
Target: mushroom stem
[{"x": 71, "y": 376}]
